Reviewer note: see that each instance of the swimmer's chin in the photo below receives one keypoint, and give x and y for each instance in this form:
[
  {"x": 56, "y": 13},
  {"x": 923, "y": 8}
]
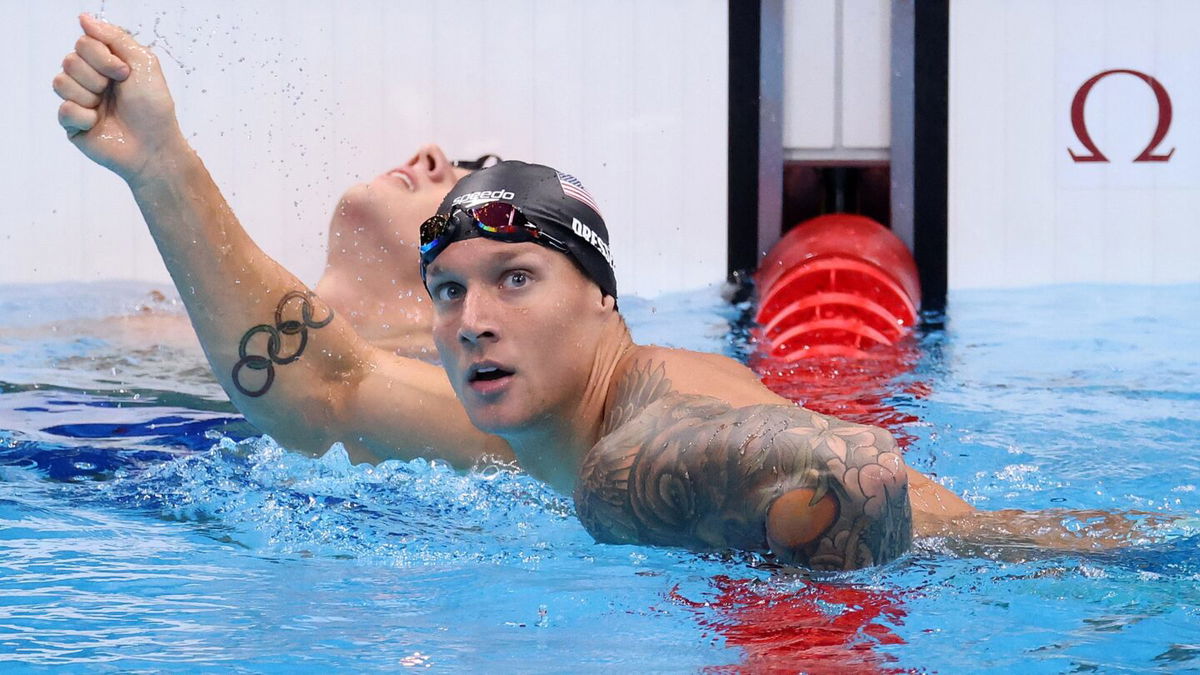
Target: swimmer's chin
[
  {"x": 358, "y": 200},
  {"x": 496, "y": 424},
  {"x": 494, "y": 419}
]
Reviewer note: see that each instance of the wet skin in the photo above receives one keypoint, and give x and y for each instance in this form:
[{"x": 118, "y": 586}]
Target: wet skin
[
  {"x": 539, "y": 357},
  {"x": 546, "y": 330},
  {"x": 658, "y": 445},
  {"x": 371, "y": 274},
  {"x": 533, "y": 350}
]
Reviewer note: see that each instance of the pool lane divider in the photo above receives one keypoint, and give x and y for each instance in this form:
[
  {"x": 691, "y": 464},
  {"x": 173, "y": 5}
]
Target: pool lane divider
[{"x": 837, "y": 285}]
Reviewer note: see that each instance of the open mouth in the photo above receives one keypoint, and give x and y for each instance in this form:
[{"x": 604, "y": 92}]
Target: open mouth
[
  {"x": 399, "y": 173},
  {"x": 489, "y": 374},
  {"x": 486, "y": 374},
  {"x": 486, "y": 378}
]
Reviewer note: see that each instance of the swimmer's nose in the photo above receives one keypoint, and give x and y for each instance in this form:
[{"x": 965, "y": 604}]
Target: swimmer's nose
[
  {"x": 432, "y": 161},
  {"x": 477, "y": 319}
]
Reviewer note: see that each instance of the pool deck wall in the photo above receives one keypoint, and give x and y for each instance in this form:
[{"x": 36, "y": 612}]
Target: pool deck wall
[
  {"x": 1022, "y": 210},
  {"x": 290, "y": 103}
]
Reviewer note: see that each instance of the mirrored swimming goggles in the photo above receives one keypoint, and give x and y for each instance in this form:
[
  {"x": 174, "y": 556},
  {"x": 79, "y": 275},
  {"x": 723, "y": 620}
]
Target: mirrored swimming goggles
[{"x": 495, "y": 220}]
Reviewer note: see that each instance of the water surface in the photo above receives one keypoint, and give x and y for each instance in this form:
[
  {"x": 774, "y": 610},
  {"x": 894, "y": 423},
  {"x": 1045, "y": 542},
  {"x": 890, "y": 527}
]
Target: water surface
[{"x": 144, "y": 525}]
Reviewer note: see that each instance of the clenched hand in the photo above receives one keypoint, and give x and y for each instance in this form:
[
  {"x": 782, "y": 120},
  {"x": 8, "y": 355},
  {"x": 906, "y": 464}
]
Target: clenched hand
[{"x": 116, "y": 106}]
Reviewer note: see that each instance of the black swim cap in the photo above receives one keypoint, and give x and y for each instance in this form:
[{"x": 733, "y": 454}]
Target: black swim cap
[{"x": 554, "y": 201}]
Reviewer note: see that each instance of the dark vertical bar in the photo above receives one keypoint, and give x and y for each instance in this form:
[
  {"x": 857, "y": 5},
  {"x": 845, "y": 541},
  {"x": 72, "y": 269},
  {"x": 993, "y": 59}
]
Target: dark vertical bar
[
  {"x": 770, "y": 126},
  {"x": 931, "y": 125},
  {"x": 745, "y": 24},
  {"x": 902, "y": 122}
]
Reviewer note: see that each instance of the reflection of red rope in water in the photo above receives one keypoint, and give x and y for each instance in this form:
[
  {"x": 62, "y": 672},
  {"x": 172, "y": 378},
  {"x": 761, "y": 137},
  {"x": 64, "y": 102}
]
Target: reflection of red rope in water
[
  {"x": 838, "y": 296},
  {"x": 821, "y": 628},
  {"x": 855, "y": 390}
]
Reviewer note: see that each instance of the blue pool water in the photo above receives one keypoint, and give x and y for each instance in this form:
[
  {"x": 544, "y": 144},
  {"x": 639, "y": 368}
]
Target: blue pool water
[{"x": 145, "y": 526}]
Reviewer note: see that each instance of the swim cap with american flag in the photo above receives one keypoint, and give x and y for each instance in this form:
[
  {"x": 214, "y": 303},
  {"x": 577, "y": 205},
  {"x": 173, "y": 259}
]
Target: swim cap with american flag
[
  {"x": 571, "y": 187},
  {"x": 554, "y": 201}
]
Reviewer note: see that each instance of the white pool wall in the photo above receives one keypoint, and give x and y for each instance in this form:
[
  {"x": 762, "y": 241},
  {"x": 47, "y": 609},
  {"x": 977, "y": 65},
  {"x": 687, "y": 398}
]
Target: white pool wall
[
  {"x": 290, "y": 102},
  {"x": 1022, "y": 212},
  {"x": 837, "y": 80}
]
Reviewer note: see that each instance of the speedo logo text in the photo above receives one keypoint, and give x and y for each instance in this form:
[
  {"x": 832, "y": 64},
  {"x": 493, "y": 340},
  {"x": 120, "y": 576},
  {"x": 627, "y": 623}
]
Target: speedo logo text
[{"x": 482, "y": 196}]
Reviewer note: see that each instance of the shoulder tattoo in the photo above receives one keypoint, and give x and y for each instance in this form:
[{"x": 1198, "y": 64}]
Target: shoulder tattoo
[
  {"x": 686, "y": 470},
  {"x": 639, "y": 388},
  {"x": 286, "y": 340}
]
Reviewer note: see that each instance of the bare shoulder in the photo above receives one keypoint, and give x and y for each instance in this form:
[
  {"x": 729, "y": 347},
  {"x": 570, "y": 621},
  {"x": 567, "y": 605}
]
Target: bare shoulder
[
  {"x": 644, "y": 369},
  {"x": 691, "y": 454},
  {"x": 643, "y": 381},
  {"x": 678, "y": 362}
]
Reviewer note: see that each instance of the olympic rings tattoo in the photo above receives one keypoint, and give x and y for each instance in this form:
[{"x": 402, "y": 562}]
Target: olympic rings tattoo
[{"x": 274, "y": 341}]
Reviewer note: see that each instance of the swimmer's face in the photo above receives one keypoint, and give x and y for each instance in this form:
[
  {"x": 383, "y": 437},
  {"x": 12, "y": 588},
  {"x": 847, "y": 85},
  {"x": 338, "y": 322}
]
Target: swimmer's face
[
  {"x": 517, "y": 327},
  {"x": 395, "y": 203}
]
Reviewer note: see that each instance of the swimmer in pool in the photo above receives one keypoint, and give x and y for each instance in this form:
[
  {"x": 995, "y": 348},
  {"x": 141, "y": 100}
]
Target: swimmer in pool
[
  {"x": 658, "y": 446},
  {"x": 371, "y": 274}
]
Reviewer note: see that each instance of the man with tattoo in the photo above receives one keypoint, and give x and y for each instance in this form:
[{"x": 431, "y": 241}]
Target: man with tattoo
[
  {"x": 659, "y": 446},
  {"x": 371, "y": 273}
]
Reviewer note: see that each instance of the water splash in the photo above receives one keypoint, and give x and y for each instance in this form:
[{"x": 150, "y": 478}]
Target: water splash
[{"x": 276, "y": 502}]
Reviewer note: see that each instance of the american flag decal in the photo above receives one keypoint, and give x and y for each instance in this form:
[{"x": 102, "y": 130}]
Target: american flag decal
[{"x": 571, "y": 187}]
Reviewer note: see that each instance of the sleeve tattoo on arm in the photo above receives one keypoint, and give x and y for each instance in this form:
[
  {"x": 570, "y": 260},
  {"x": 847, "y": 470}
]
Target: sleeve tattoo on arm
[
  {"x": 686, "y": 470},
  {"x": 275, "y": 340}
]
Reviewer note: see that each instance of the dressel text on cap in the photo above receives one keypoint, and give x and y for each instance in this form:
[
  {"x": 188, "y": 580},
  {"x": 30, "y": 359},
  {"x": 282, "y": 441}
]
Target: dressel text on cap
[
  {"x": 481, "y": 196},
  {"x": 585, "y": 233}
]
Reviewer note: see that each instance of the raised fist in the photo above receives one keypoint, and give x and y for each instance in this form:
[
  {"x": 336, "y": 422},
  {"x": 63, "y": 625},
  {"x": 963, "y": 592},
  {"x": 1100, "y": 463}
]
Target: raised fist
[{"x": 116, "y": 106}]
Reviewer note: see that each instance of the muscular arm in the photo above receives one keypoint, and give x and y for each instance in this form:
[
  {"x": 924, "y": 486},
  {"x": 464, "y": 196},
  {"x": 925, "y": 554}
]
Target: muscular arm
[
  {"x": 294, "y": 368},
  {"x": 688, "y": 470}
]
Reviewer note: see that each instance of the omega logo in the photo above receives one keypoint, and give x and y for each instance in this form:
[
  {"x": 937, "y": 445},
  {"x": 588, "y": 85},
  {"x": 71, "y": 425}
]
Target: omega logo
[{"x": 1093, "y": 153}]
